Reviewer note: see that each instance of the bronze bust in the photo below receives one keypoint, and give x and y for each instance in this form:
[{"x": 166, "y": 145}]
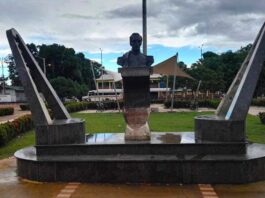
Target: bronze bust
[{"x": 135, "y": 58}]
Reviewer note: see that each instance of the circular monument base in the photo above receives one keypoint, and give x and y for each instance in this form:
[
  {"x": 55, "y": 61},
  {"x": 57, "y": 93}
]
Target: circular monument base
[{"x": 169, "y": 158}]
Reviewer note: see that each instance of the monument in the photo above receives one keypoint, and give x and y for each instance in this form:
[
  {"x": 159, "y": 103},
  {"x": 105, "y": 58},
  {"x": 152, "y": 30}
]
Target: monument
[
  {"x": 135, "y": 74},
  {"x": 217, "y": 152},
  {"x": 62, "y": 129},
  {"x": 228, "y": 125}
]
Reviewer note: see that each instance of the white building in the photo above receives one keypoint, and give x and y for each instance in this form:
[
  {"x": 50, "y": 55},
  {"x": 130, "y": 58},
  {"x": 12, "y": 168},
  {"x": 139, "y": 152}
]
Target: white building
[
  {"x": 110, "y": 81},
  {"x": 12, "y": 94}
]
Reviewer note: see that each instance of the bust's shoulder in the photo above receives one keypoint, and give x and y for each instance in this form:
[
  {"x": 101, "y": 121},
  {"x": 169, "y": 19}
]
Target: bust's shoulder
[
  {"x": 149, "y": 60},
  {"x": 126, "y": 55},
  {"x": 123, "y": 60}
]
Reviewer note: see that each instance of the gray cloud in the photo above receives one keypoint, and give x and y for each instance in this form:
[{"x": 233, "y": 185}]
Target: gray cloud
[
  {"x": 237, "y": 20},
  {"x": 77, "y": 16},
  {"x": 128, "y": 11},
  {"x": 90, "y": 24},
  {"x": 132, "y": 11}
]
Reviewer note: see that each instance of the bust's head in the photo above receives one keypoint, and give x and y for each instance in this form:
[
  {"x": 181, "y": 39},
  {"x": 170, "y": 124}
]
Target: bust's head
[{"x": 136, "y": 42}]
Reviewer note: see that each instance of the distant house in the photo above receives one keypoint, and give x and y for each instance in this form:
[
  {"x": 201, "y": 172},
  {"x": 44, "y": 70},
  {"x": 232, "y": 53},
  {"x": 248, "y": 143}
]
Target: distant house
[{"x": 12, "y": 94}]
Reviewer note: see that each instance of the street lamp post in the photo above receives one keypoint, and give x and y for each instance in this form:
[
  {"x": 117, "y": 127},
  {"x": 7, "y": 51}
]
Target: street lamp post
[
  {"x": 3, "y": 76},
  {"x": 102, "y": 86},
  {"x": 201, "y": 50},
  {"x": 94, "y": 78},
  {"x": 43, "y": 62}
]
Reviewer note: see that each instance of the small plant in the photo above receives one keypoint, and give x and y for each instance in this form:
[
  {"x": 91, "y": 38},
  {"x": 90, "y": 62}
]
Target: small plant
[
  {"x": 187, "y": 103},
  {"x": 258, "y": 102},
  {"x": 79, "y": 106},
  {"x": 24, "y": 107},
  {"x": 262, "y": 117}
]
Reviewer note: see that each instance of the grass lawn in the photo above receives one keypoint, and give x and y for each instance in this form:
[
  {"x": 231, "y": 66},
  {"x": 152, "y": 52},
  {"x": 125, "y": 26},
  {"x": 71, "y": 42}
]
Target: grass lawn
[
  {"x": 114, "y": 122},
  {"x": 25, "y": 140}
]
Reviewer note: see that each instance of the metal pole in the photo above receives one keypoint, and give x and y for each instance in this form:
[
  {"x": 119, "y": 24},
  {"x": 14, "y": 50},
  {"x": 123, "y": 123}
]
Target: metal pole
[
  {"x": 167, "y": 89},
  {"x": 3, "y": 77},
  {"x": 144, "y": 28},
  {"x": 43, "y": 62},
  {"x": 201, "y": 51},
  {"x": 44, "y": 66},
  {"x": 174, "y": 83},
  {"x": 118, "y": 104},
  {"x": 94, "y": 78},
  {"x": 102, "y": 87}
]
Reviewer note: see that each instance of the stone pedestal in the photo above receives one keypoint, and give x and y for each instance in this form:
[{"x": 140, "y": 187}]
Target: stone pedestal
[
  {"x": 137, "y": 127},
  {"x": 70, "y": 131},
  {"x": 215, "y": 129},
  {"x": 136, "y": 86}
]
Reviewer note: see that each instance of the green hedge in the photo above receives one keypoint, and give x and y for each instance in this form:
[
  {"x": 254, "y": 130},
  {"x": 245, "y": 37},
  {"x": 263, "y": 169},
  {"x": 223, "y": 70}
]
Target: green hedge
[
  {"x": 79, "y": 106},
  {"x": 24, "y": 107},
  {"x": 187, "y": 103},
  {"x": 6, "y": 111},
  {"x": 208, "y": 103},
  {"x": 258, "y": 102},
  {"x": 9, "y": 130}
]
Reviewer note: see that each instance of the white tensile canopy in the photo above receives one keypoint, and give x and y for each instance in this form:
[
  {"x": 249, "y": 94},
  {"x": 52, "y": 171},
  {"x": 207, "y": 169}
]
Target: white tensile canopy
[{"x": 170, "y": 67}]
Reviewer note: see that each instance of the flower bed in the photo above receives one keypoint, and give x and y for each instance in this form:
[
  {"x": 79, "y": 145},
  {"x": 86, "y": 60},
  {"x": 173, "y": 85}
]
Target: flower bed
[{"x": 9, "y": 130}]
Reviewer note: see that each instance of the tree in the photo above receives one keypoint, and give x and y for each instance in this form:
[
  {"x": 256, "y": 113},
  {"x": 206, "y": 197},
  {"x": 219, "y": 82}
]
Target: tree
[
  {"x": 61, "y": 62},
  {"x": 68, "y": 88},
  {"x": 13, "y": 74}
]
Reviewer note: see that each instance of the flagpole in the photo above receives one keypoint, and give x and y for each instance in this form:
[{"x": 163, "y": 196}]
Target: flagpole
[
  {"x": 174, "y": 83},
  {"x": 144, "y": 28}
]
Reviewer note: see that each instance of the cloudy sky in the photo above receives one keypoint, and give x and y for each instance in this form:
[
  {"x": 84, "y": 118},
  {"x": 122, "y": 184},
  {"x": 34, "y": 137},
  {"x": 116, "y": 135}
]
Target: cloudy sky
[{"x": 173, "y": 25}]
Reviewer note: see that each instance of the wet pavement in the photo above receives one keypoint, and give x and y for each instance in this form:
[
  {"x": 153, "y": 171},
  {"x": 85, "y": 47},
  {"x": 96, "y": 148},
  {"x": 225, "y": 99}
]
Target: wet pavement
[{"x": 13, "y": 187}]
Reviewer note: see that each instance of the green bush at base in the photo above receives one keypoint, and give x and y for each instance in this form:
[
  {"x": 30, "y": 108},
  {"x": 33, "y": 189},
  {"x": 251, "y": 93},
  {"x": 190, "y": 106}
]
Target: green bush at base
[
  {"x": 6, "y": 111},
  {"x": 187, "y": 103},
  {"x": 258, "y": 102},
  {"x": 24, "y": 107},
  {"x": 79, "y": 106},
  {"x": 9, "y": 130}
]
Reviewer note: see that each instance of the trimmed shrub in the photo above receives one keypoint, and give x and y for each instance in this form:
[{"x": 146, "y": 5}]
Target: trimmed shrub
[
  {"x": 9, "y": 130},
  {"x": 157, "y": 101},
  {"x": 258, "y": 102},
  {"x": 187, "y": 103},
  {"x": 24, "y": 107},
  {"x": 6, "y": 111},
  {"x": 178, "y": 104},
  {"x": 79, "y": 106}
]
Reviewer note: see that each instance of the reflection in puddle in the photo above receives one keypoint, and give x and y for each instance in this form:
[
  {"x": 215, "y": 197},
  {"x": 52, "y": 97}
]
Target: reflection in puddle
[
  {"x": 170, "y": 138},
  {"x": 156, "y": 138}
]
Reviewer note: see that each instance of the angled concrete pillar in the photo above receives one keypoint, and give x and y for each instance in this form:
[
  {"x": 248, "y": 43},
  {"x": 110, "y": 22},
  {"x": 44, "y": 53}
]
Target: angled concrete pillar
[
  {"x": 62, "y": 129},
  {"x": 229, "y": 122}
]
